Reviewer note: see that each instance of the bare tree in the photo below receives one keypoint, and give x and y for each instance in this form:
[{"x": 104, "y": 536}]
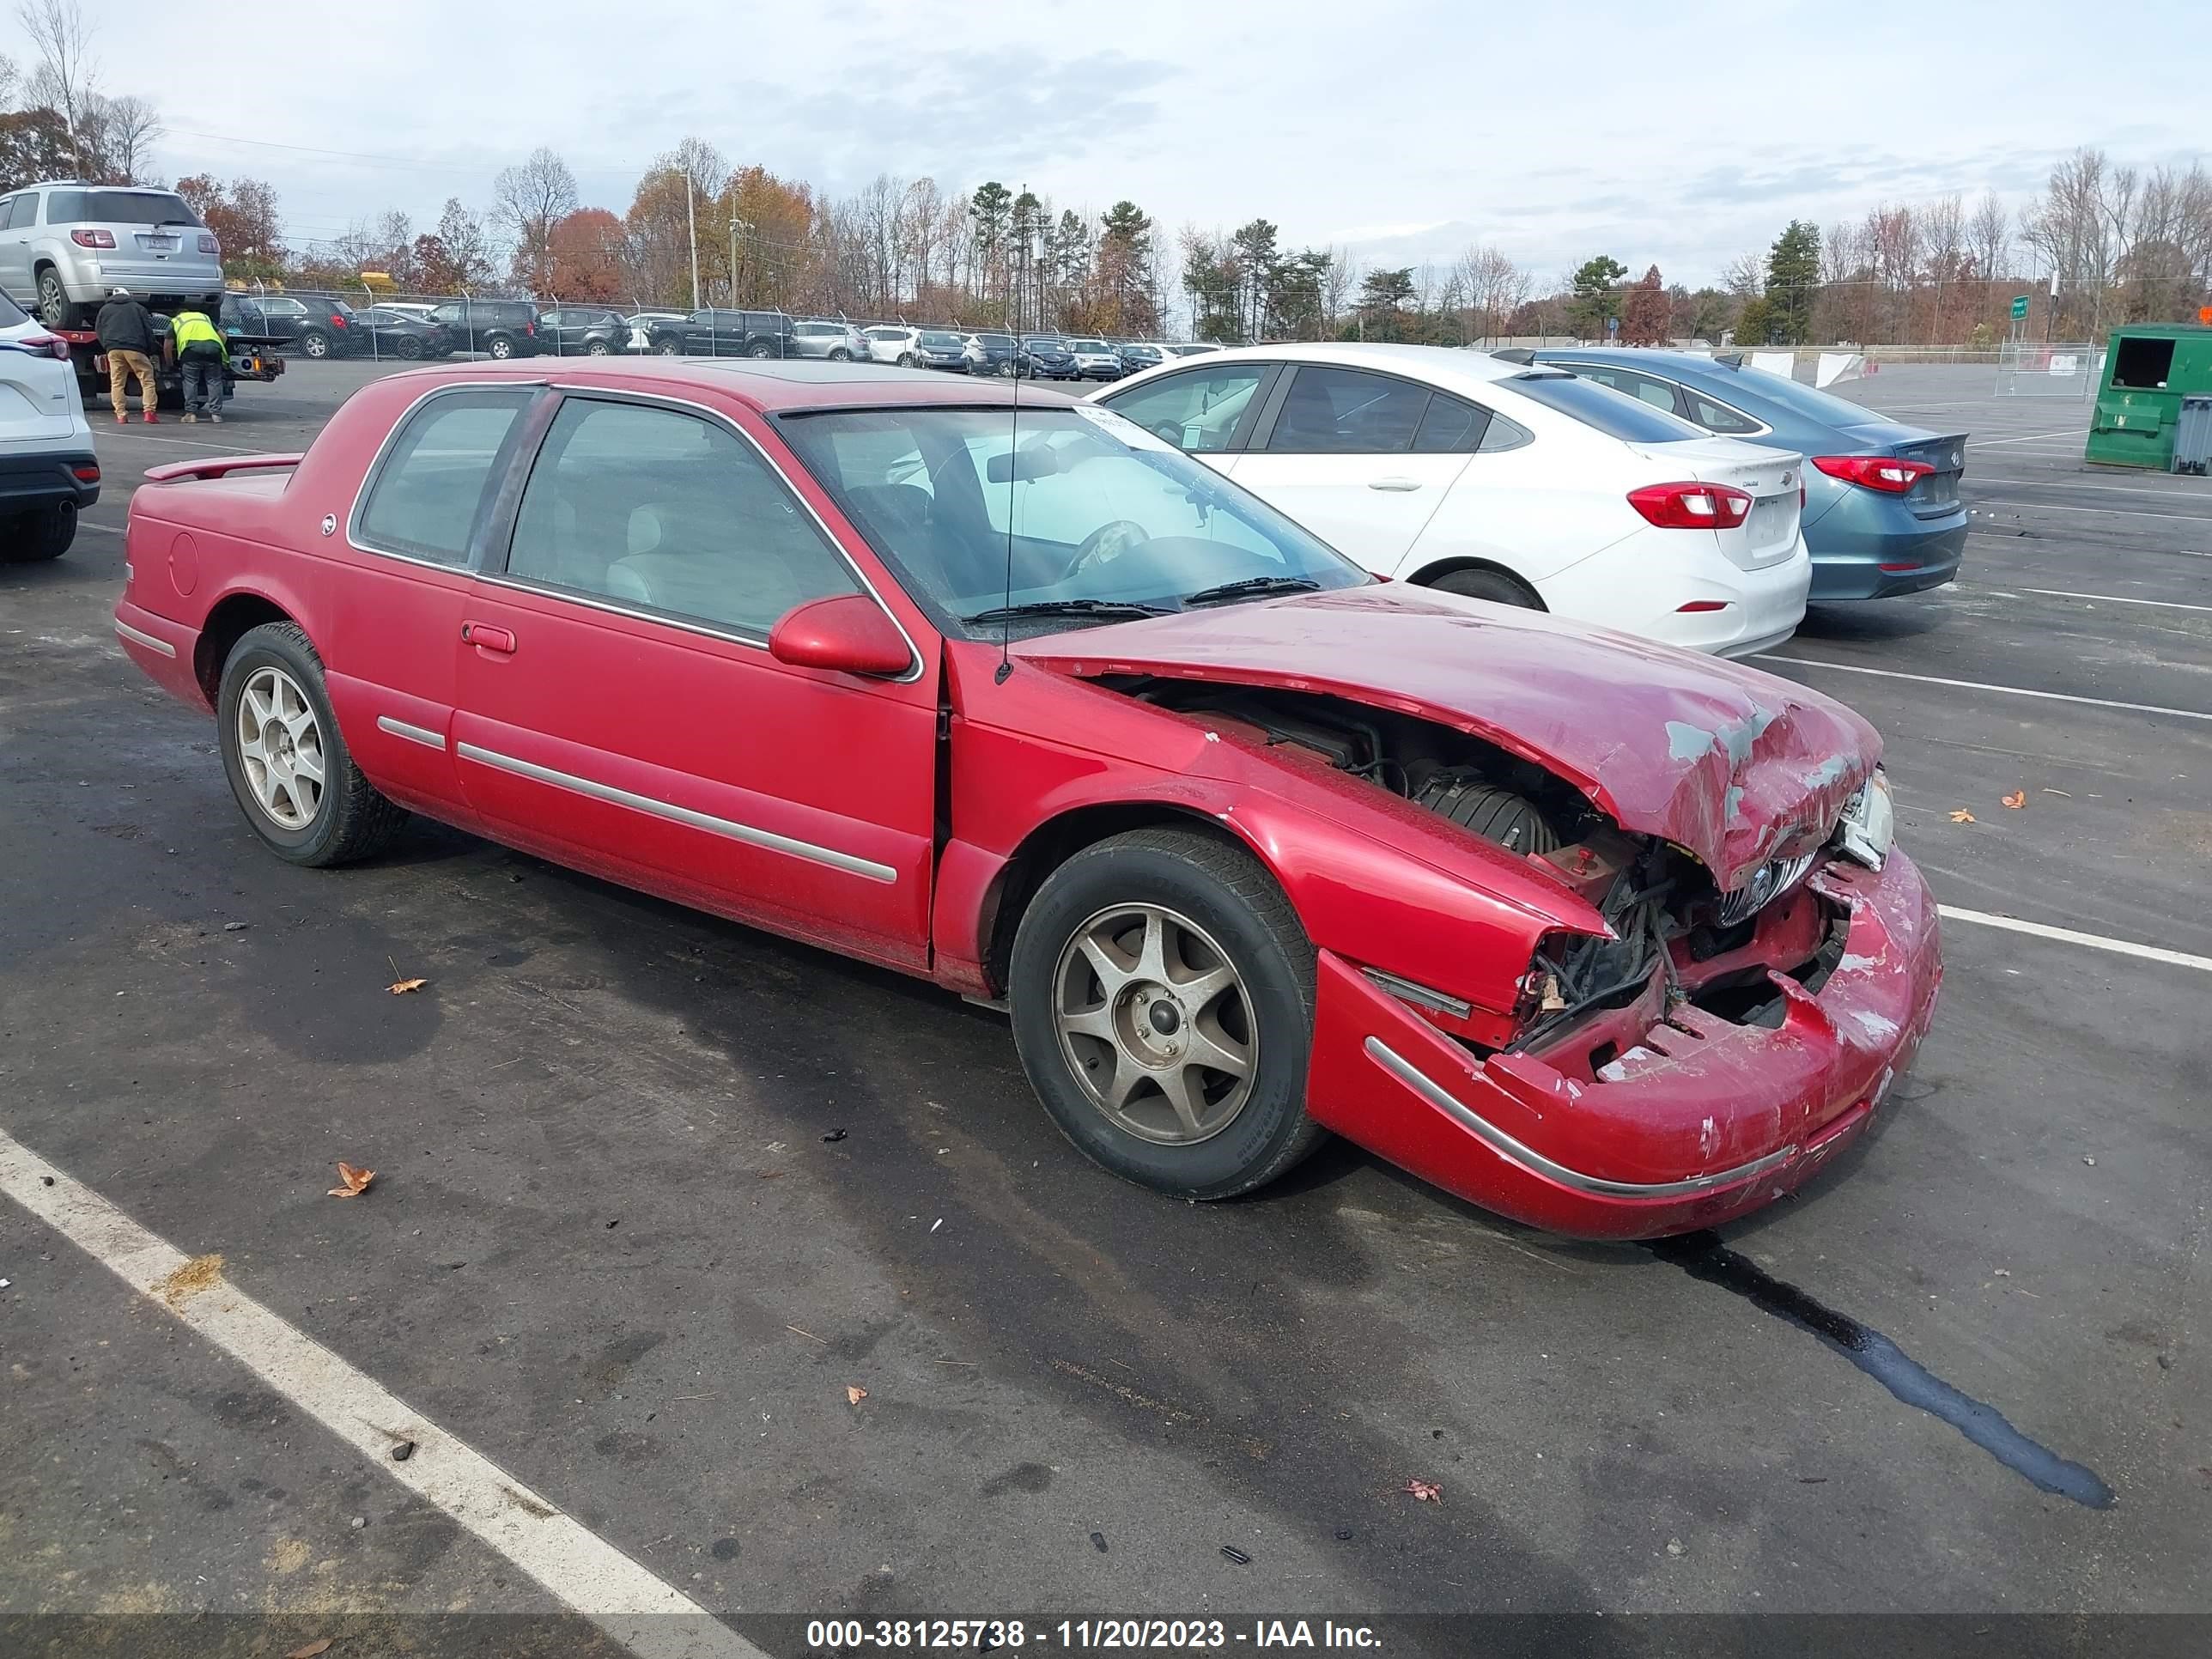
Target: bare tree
[
  {"x": 1943, "y": 241},
  {"x": 533, "y": 197},
  {"x": 10, "y": 79},
  {"x": 1492, "y": 287},
  {"x": 67, "y": 73},
  {"x": 121, "y": 133}
]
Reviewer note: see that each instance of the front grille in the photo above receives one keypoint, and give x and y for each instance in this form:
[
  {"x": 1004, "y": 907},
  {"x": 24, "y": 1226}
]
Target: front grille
[{"x": 1768, "y": 883}]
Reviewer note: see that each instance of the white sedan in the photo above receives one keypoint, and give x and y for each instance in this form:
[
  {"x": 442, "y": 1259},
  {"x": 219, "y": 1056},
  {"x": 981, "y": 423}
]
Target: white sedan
[
  {"x": 47, "y": 467},
  {"x": 1501, "y": 478}
]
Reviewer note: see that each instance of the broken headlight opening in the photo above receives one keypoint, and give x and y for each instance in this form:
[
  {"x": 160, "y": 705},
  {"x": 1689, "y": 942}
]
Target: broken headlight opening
[{"x": 1868, "y": 822}]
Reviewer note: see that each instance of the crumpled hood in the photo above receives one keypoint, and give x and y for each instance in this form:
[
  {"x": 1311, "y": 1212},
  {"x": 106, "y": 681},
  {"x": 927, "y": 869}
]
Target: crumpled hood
[{"x": 1723, "y": 760}]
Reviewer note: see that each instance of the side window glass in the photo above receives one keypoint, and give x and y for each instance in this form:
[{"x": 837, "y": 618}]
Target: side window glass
[
  {"x": 1502, "y": 433},
  {"x": 1716, "y": 417},
  {"x": 424, "y": 499},
  {"x": 665, "y": 512},
  {"x": 1450, "y": 428},
  {"x": 1348, "y": 411},
  {"x": 1197, "y": 412}
]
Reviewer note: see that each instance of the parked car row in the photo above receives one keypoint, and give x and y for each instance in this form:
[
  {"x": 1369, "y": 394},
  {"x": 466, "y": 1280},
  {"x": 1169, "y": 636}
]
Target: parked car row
[
  {"x": 1091, "y": 709},
  {"x": 1693, "y": 500}
]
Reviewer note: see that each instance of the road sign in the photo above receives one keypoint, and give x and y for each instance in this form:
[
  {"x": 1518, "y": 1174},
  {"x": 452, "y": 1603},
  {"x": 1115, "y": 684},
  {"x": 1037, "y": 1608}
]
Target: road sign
[{"x": 2018, "y": 307}]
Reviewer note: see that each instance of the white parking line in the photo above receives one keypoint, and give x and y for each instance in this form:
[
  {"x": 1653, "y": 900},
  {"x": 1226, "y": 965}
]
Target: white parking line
[
  {"x": 2069, "y": 936},
  {"x": 182, "y": 443},
  {"x": 2114, "y": 599},
  {"x": 2102, "y": 512},
  {"x": 2031, "y": 438},
  {"x": 581, "y": 1570},
  {"x": 1978, "y": 685}
]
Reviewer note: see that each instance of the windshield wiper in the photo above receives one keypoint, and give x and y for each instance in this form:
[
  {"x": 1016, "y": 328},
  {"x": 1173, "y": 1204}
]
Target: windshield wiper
[
  {"x": 1251, "y": 586},
  {"x": 1067, "y": 608}
]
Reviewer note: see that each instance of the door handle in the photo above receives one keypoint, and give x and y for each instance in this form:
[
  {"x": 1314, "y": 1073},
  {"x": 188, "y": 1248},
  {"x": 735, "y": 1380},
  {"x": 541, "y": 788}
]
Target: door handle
[
  {"x": 485, "y": 637},
  {"x": 1394, "y": 483}
]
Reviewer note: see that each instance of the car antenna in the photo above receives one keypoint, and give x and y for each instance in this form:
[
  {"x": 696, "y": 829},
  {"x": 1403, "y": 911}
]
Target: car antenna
[{"x": 1014, "y": 448}]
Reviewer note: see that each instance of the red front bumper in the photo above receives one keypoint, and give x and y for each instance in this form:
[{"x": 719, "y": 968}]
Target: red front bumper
[{"x": 1705, "y": 1120}]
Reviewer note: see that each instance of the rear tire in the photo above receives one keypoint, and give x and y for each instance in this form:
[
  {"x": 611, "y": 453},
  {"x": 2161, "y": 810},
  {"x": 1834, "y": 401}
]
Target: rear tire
[
  {"x": 595, "y": 348},
  {"x": 838, "y": 354},
  {"x": 1492, "y": 585},
  {"x": 315, "y": 343},
  {"x": 55, "y": 310},
  {"x": 407, "y": 346},
  {"x": 38, "y": 534},
  {"x": 1217, "y": 910},
  {"x": 348, "y": 818},
  {"x": 499, "y": 348}
]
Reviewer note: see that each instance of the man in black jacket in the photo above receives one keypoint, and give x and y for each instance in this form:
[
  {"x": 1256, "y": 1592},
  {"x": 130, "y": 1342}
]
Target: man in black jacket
[{"x": 125, "y": 329}]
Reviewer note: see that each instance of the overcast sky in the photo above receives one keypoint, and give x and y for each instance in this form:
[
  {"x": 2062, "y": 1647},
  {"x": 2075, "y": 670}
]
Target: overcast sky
[{"x": 1682, "y": 133}]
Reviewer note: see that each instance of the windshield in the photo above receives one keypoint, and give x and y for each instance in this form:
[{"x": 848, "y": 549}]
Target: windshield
[
  {"x": 936, "y": 340},
  {"x": 997, "y": 341},
  {"x": 1616, "y": 414},
  {"x": 1088, "y": 345},
  {"x": 1098, "y": 509}
]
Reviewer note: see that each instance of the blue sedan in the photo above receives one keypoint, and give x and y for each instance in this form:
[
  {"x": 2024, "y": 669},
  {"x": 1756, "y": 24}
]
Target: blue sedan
[{"x": 1883, "y": 513}]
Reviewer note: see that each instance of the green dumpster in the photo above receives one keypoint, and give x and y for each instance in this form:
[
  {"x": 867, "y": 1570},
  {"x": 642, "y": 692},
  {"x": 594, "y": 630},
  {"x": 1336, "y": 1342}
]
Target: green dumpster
[{"x": 2148, "y": 368}]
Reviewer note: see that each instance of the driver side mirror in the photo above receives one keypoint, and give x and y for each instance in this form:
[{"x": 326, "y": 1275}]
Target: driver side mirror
[{"x": 850, "y": 633}]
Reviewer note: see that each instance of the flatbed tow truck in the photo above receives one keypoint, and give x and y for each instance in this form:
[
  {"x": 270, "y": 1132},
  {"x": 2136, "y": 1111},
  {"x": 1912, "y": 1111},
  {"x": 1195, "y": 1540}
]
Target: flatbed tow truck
[{"x": 253, "y": 357}]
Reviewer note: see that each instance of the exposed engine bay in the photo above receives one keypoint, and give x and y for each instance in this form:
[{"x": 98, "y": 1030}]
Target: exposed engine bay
[{"x": 1676, "y": 933}]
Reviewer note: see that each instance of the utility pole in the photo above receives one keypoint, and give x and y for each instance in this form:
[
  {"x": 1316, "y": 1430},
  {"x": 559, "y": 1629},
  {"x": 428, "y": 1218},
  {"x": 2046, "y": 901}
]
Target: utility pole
[
  {"x": 691, "y": 224},
  {"x": 735, "y": 225}
]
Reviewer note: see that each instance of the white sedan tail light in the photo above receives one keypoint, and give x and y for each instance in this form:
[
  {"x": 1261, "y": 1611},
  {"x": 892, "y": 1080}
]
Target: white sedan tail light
[{"x": 1692, "y": 506}]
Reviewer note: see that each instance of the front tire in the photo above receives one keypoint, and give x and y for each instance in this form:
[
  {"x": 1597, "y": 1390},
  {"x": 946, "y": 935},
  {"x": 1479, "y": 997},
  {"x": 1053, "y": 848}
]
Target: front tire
[
  {"x": 1492, "y": 585},
  {"x": 286, "y": 762},
  {"x": 39, "y": 534},
  {"x": 407, "y": 346},
  {"x": 668, "y": 349},
  {"x": 1163, "y": 999}
]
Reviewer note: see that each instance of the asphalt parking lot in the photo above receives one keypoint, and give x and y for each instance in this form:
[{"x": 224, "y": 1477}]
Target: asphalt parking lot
[{"x": 613, "y": 1247}]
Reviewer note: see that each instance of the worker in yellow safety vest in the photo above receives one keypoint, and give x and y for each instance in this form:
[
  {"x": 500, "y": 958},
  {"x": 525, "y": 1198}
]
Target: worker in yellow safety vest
[{"x": 205, "y": 362}]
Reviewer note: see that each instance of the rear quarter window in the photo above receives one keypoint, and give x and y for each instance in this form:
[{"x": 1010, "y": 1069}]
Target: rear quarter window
[
  {"x": 428, "y": 490},
  {"x": 1614, "y": 413}
]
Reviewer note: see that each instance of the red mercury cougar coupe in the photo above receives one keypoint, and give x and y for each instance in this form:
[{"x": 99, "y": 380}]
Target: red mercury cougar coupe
[{"x": 1593, "y": 932}]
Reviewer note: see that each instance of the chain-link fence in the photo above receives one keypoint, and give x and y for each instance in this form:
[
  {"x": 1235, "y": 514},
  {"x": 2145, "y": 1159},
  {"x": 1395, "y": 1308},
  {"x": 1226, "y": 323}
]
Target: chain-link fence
[{"x": 2049, "y": 368}]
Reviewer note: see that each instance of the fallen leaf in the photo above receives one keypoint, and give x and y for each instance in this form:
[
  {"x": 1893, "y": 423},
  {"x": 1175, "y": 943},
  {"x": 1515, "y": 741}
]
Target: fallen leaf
[
  {"x": 356, "y": 1180},
  {"x": 855, "y": 1396},
  {"x": 400, "y": 988},
  {"x": 1425, "y": 1492},
  {"x": 321, "y": 1644},
  {"x": 2017, "y": 799},
  {"x": 1962, "y": 816}
]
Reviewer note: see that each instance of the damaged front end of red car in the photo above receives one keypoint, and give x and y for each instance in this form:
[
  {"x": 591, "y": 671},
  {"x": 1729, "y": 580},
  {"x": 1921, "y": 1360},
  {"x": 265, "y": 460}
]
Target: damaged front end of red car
[{"x": 1709, "y": 965}]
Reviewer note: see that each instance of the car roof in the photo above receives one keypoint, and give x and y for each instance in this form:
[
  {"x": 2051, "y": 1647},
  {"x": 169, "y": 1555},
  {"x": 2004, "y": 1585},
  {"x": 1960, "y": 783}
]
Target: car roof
[
  {"x": 769, "y": 384},
  {"x": 1439, "y": 365},
  {"x": 1631, "y": 357}
]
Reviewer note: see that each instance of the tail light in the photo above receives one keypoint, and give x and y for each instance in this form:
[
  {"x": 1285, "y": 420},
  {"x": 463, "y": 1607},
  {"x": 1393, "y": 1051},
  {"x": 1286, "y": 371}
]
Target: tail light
[
  {"x": 336, "y": 321},
  {"x": 530, "y": 328},
  {"x": 1699, "y": 607},
  {"x": 85, "y": 474},
  {"x": 208, "y": 245},
  {"x": 93, "y": 237},
  {"x": 40, "y": 345},
  {"x": 1887, "y": 473},
  {"x": 1691, "y": 506}
]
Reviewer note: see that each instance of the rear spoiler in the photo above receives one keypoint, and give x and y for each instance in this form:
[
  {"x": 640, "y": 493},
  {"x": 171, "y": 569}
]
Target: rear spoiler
[{"x": 218, "y": 466}]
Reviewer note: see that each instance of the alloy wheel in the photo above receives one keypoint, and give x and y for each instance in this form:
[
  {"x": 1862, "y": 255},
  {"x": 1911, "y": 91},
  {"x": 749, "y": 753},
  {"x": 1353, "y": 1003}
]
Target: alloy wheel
[
  {"x": 280, "y": 748},
  {"x": 1155, "y": 1023}
]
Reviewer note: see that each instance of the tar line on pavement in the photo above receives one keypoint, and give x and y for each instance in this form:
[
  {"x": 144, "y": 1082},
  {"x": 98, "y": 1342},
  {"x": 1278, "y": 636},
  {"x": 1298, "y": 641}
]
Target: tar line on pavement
[{"x": 1704, "y": 1257}]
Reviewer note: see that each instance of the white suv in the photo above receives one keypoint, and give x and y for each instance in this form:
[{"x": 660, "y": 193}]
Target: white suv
[
  {"x": 64, "y": 245},
  {"x": 47, "y": 469}
]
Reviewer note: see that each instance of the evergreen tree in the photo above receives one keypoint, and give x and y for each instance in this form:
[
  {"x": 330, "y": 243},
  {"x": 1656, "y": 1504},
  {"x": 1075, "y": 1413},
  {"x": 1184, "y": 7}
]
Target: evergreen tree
[{"x": 1793, "y": 279}]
